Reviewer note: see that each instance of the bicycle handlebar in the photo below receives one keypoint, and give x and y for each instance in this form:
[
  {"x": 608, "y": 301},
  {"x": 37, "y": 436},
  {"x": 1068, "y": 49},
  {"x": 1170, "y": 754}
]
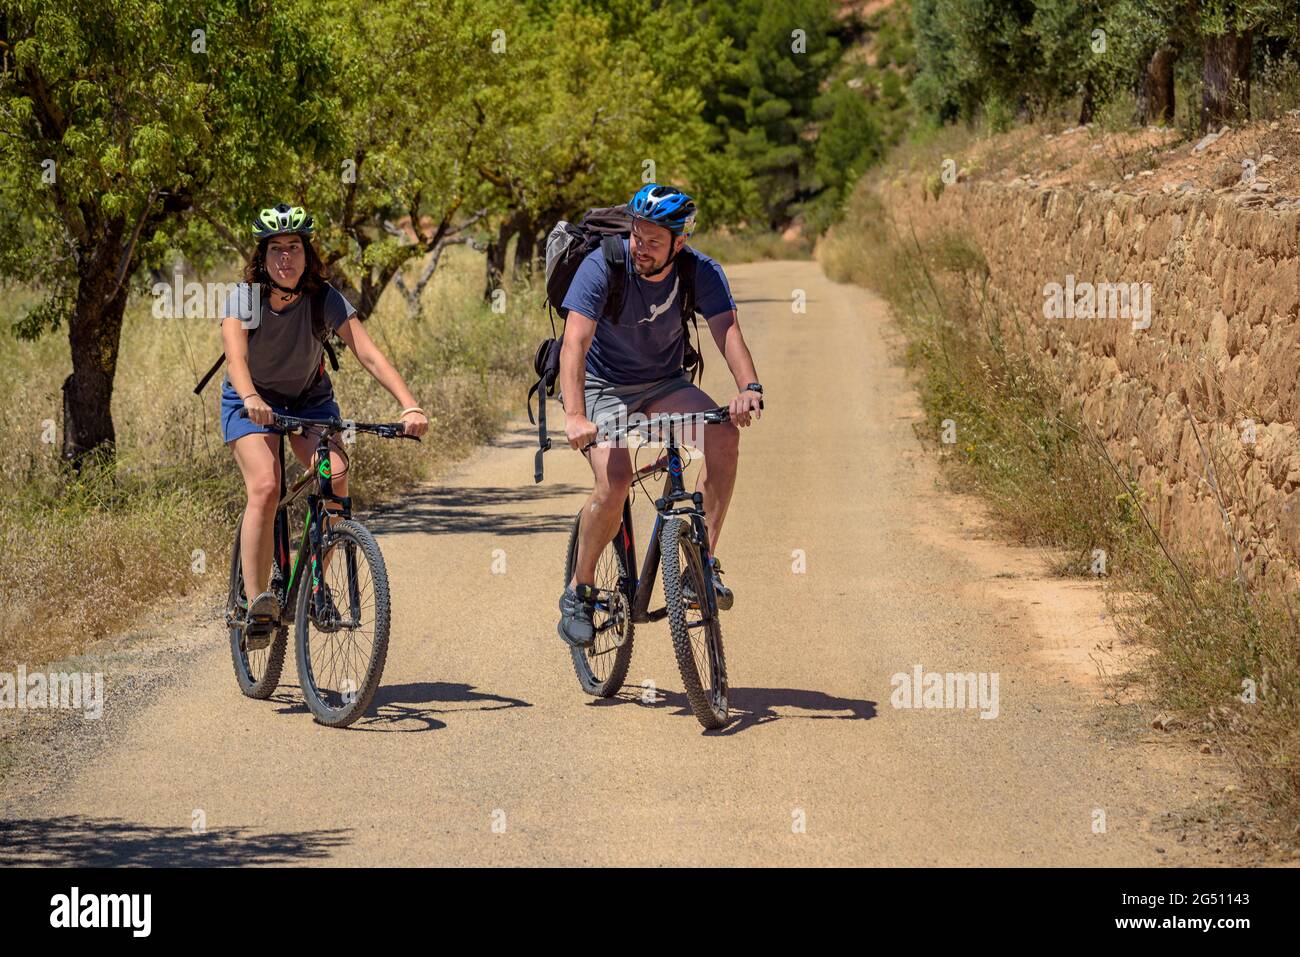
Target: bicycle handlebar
[
  {"x": 711, "y": 417},
  {"x": 290, "y": 423}
]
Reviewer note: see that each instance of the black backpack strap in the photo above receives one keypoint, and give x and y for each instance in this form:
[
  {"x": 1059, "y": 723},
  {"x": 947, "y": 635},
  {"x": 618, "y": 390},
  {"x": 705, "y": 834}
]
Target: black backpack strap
[
  {"x": 546, "y": 363},
  {"x": 686, "y": 268},
  {"x": 318, "y": 324},
  {"x": 686, "y": 263},
  {"x": 612, "y": 247},
  {"x": 543, "y": 440},
  {"x": 209, "y": 374}
]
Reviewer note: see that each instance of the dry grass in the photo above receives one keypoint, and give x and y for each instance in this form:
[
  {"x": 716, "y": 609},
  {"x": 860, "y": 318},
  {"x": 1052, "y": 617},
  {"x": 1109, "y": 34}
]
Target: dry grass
[
  {"x": 748, "y": 247},
  {"x": 86, "y": 556}
]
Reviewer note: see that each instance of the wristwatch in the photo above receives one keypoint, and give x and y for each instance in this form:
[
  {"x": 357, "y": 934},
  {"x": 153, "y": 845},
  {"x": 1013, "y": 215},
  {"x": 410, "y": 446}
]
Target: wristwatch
[{"x": 754, "y": 387}]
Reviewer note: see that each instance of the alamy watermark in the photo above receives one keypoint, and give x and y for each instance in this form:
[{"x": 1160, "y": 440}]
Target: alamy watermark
[
  {"x": 75, "y": 909},
  {"x": 688, "y": 428},
  {"x": 1102, "y": 300},
  {"x": 54, "y": 689},
  {"x": 936, "y": 689},
  {"x": 179, "y": 299}
]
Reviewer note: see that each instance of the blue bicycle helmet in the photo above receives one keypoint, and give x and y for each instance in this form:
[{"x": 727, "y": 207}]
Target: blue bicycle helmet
[{"x": 665, "y": 206}]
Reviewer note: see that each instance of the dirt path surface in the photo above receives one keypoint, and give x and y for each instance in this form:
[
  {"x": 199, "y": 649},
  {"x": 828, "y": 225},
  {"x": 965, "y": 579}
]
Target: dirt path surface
[{"x": 483, "y": 750}]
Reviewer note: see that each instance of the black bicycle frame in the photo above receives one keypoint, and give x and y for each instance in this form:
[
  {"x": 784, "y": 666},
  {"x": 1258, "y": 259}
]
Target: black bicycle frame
[
  {"x": 674, "y": 491},
  {"x": 313, "y": 539}
]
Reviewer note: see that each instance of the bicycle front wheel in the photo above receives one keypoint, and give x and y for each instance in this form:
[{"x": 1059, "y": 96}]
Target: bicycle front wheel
[
  {"x": 602, "y": 667},
  {"x": 341, "y": 625},
  {"x": 697, "y": 636}
]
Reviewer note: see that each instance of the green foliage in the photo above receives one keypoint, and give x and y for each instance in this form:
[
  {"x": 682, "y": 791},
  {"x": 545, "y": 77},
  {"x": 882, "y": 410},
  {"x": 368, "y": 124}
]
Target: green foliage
[
  {"x": 762, "y": 105},
  {"x": 1000, "y": 58},
  {"x": 595, "y": 92},
  {"x": 118, "y": 115},
  {"x": 136, "y": 131},
  {"x": 970, "y": 51},
  {"x": 402, "y": 177}
]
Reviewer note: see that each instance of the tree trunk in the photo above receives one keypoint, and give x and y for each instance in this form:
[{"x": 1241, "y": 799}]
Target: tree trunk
[
  {"x": 373, "y": 284},
  {"x": 496, "y": 253},
  {"x": 1225, "y": 92},
  {"x": 1156, "y": 94},
  {"x": 1087, "y": 103},
  {"x": 94, "y": 336},
  {"x": 413, "y": 294},
  {"x": 525, "y": 246}
]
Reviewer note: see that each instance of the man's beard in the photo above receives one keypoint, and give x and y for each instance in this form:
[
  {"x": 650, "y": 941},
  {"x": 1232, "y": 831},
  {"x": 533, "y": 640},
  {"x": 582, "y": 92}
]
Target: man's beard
[{"x": 653, "y": 268}]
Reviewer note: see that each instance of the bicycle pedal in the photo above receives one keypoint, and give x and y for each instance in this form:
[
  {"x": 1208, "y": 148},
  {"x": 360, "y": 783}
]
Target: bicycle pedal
[{"x": 257, "y": 637}]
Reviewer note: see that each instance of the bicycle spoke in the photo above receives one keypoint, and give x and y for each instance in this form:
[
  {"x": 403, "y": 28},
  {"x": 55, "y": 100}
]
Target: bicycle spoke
[{"x": 342, "y": 658}]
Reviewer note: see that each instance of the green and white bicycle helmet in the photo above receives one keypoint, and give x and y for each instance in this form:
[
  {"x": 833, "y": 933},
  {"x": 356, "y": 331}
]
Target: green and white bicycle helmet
[{"x": 282, "y": 220}]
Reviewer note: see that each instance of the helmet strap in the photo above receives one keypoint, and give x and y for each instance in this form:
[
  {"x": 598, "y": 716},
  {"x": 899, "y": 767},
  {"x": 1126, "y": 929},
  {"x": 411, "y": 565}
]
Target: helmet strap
[
  {"x": 673, "y": 255},
  {"x": 288, "y": 291}
]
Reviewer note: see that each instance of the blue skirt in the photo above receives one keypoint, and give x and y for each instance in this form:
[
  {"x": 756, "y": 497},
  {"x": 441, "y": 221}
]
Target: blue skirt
[{"x": 235, "y": 426}]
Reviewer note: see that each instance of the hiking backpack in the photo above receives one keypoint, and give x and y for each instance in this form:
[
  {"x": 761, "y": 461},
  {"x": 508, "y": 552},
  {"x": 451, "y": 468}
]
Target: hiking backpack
[
  {"x": 317, "y": 329},
  {"x": 567, "y": 246}
]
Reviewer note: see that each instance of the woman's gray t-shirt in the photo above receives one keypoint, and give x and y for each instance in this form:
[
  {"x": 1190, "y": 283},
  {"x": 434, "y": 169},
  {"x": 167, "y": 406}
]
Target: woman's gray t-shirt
[{"x": 283, "y": 355}]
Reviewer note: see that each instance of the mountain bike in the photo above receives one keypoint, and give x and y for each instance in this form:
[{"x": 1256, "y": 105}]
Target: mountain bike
[
  {"x": 340, "y": 650},
  {"x": 679, "y": 546}
]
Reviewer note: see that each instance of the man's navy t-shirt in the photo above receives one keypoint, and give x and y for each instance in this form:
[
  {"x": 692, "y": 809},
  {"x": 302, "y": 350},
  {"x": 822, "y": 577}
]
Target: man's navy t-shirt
[{"x": 647, "y": 344}]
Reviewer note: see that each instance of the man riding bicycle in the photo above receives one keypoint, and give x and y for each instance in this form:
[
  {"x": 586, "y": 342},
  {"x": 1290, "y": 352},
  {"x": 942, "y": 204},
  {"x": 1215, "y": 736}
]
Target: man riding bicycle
[
  {"x": 275, "y": 362},
  {"x": 610, "y": 370}
]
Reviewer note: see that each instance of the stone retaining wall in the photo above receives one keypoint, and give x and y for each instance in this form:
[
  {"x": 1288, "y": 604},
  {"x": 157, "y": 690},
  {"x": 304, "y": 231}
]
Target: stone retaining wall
[{"x": 1223, "y": 340}]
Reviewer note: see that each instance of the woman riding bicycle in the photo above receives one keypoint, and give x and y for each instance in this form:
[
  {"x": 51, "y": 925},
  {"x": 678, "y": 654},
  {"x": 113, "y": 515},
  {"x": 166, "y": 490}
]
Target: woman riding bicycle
[{"x": 275, "y": 365}]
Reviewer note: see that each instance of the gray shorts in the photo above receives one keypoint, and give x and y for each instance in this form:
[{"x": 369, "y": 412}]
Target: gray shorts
[{"x": 610, "y": 404}]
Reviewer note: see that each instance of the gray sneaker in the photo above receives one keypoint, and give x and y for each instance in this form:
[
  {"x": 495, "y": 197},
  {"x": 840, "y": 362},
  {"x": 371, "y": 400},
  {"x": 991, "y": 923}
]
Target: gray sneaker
[
  {"x": 721, "y": 593},
  {"x": 576, "y": 606},
  {"x": 261, "y": 621}
]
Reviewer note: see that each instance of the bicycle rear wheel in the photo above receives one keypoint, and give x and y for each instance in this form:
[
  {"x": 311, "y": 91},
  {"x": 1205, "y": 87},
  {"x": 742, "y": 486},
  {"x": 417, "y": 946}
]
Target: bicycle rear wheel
[
  {"x": 697, "y": 637},
  {"x": 341, "y": 656},
  {"x": 257, "y": 671},
  {"x": 602, "y": 667}
]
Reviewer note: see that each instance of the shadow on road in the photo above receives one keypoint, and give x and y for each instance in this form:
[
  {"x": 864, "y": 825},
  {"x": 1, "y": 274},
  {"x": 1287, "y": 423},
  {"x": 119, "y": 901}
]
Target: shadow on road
[
  {"x": 99, "y": 842},
  {"x": 523, "y": 439},
  {"x": 454, "y": 511},
  {"x": 395, "y": 705},
  {"x": 755, "y": 706}
]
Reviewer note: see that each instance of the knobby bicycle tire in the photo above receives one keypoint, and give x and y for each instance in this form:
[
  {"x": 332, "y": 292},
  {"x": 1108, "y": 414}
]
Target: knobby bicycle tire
[
  {"x": 582, "y": 657},
  {"x": 709, "y": 703},
  {"x": 345, "y": 534},
  {"x": 258, "y": 672}
]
